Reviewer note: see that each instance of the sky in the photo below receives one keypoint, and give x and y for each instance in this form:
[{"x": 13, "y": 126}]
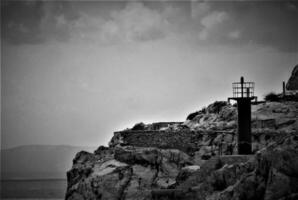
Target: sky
[{"x": 73, "y": 72}]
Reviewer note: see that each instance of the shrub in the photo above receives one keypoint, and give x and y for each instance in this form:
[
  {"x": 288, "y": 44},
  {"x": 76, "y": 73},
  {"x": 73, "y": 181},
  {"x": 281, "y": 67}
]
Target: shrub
[
  {"x": 216, "y": 106},
  {"x": 192, "y": 115},
  {"x": 138, "y": 127},
  {"x": 271, "y": 97}
]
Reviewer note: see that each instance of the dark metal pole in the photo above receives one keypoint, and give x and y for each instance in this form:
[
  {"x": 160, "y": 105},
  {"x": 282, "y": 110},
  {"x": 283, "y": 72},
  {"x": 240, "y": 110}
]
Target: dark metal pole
[
  {"x": 247, "y": 92},
  {"x": 283, "y": 88},
  {"x": 244, "y": 126},
  {"x": 242, "y": 82}
]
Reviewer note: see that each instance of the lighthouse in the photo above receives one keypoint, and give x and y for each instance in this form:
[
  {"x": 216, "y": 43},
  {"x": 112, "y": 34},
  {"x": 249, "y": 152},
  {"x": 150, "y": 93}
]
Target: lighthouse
[{"x": 243, "y": 93}]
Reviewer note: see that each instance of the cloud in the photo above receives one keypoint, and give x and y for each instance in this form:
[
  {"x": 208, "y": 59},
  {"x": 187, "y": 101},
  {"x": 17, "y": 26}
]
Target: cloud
[
  {"x": 36, "y": 21},
  {"x": 270, "y": 24},
  {"x": 234, "y": 34},
  {"x": 214, "y": 18},
  {"x": 210, "y": 23},
  {"x": 263, "y": 23},
  {"x": 292, "y": 6},
  {"x": 199, "y": 9},
  {"x": 266, "y": 24},
  {"x": 203, "y": 34},
  {"x": 135, "y": 22}
]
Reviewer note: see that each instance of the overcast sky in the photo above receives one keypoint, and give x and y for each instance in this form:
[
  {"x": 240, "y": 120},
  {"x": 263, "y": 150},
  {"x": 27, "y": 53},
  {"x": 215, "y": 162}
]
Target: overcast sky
[{"x": 75, "y": 72}]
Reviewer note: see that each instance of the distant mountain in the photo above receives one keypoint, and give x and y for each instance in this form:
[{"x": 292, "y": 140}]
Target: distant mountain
[{"x": 38, "y": 161}]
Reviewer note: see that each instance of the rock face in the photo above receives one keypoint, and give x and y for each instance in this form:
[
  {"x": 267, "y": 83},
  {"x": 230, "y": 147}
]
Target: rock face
[
  {"x": 292, "y": 83},
  {"x": 126, "y": 173},
  {"x": 270, "y": 174},
  {"x": 195, "y": 159}
]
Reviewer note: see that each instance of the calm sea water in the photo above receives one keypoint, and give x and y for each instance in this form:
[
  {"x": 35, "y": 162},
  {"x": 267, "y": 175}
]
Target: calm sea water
[{"x": 33, "y": 189}]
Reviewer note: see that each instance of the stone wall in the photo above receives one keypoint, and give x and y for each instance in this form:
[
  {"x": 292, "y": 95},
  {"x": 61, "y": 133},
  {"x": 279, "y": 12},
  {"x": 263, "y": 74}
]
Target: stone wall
[
  {"x": 187, "y": 141},
  {"x": 204, "y": 142},
  {"x": 159, "y": 125}
]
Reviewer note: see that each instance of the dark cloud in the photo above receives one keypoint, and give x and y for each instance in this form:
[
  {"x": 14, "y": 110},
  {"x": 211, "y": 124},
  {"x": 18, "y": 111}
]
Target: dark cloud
[
  {"x": 20, "y": 21},
  {"x": 36, "y": 21},
  {"x": 273, "y": 24},
  {"x": 265, "y": 23}
]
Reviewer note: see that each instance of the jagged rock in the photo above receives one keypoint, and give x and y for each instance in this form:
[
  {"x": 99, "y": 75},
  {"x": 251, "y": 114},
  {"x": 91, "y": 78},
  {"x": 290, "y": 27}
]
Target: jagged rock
[
  {"x": 292, "y": 83},
  {"x": 271, "y": 174},
  {"x": 134, "y": 155},
  {"x": 211, "y": 177},
  {"x": 104, "y": 152},
  {"x": 101, "y": 149},
  {"x": 141, "y": 183},
  {"x": 228, "y": 113},
  {"x": 186, "y": 172},
  {"x": 167, "y": 162},
  {"x": 193, "y": 115},
  {"x": 131, "y": 174}
]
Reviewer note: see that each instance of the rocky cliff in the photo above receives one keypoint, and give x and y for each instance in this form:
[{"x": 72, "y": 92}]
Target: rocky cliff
[{"x": 195, "y": 159}]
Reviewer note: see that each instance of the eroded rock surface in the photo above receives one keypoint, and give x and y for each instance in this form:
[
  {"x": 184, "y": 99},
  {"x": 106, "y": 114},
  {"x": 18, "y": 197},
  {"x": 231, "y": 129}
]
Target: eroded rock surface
[
  {"x": 270, "y": 174},
  {"x": 129, "y": 173}
]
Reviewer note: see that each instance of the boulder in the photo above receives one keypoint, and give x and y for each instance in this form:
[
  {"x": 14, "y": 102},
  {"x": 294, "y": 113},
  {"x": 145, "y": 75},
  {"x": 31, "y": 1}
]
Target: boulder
[{"x": 292, "y": 83}]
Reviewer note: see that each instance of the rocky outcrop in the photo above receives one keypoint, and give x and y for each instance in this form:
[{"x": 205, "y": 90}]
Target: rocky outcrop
[
  {"x": 292, "y": 83},
  {"x": 267, "y": 115},
  {"x": 128, "y": 173},
  {"x": 271, "y": 174},
  {"x": 195, "y": 159},
  {"x": 152, "y": 173}
]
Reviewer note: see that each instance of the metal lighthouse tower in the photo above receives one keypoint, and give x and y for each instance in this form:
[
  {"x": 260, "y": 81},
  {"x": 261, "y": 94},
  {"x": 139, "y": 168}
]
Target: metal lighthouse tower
[{"x": 243, "y": 93}]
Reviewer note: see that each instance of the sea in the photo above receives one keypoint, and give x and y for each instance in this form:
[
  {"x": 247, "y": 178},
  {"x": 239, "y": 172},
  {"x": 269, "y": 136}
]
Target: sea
[{"x": 49, "y": 189}]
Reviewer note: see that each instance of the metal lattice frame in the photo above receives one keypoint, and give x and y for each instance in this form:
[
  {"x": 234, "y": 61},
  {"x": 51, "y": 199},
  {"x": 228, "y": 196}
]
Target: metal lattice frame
[{"x": 243, "y": 90}]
